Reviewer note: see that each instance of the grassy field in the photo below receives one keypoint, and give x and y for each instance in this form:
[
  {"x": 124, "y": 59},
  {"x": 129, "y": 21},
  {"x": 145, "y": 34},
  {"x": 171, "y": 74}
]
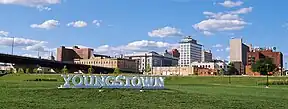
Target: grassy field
[{"x": 182, "y": 93}]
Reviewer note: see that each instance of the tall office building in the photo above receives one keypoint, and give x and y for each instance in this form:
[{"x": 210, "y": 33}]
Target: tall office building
[
  {"x": 238, "y": 54},
  {"x": 190, "y": 51},
  {"x": 206, "y": 56}
]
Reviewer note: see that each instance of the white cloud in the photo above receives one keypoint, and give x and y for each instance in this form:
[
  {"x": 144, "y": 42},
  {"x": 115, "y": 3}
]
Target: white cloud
[
  {"x": 49, "y": 24},
  {"x": 217, "y": 46},
  {"x": 218, "y": 50},
  {"x": 103, "y": 48},
  {"x": 228, "y": 57},
  {"x": 43, "y": 55},
  {"x": 30, "y": 55},
  {"x": 39, "y": 4},
  {"x": 31, "y": 3},
  {"x": 222, "y": 21},
  {"x": 221, "y": 16},
  {"x": 78, "y": 24},
  {"x": 97, "y": 22},
  {"x": 207, "y": 33},
  {"x": 217, "y": 57},
  {"x": 242, "y": 11},
  {"x": 165, "y": 32},
  {"x": 4, "y": 33},
  {"x": 227, "y": 49},
  {"x": 142, "y": 45},
  {"x": 219, "y": 25},
  {"x": 25, "y": 44},
  {"x": 43, "y": 8},
  {"x": 230, "y": 4},
  {"x": 36, "y": 47}
]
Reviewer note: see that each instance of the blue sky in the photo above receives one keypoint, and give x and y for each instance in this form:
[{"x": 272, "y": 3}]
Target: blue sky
[{"x": 124, "y": 25}]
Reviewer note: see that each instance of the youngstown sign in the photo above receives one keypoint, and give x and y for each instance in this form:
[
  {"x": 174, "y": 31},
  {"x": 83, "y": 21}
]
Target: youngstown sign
[{"x": 104, "y": 81}]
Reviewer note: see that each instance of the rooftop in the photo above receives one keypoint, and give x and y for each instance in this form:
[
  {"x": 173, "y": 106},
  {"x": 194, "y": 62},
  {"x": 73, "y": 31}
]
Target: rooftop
[{"x": 189, "y": 39}]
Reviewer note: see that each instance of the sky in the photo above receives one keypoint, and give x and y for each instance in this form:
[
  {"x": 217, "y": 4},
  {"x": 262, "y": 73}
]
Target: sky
[{"x": 125, "y": 26}]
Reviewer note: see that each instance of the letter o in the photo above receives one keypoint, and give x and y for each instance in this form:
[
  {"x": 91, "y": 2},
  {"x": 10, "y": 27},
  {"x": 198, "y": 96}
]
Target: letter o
[
  {"x": 75, "y": 82},
  {"x": 139, "y": 83}
]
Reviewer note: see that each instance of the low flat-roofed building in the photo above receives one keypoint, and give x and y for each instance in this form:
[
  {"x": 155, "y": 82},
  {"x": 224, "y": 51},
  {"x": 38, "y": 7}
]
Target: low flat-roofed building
[
  {"x": 182, "y": 71},
  {"x": 109, "y": 62}
]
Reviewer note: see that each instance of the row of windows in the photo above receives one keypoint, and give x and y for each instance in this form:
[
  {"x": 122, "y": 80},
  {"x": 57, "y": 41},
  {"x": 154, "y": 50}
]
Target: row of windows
[
  {"x": 205, "y": 66},
  {"x": 95, "y": 62},
  {"x": 108, "y": 63},
  {"x": 185, "y": 45}
]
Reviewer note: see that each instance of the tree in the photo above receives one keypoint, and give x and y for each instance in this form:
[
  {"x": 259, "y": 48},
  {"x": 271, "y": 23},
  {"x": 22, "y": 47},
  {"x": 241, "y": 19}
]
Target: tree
[
  {"x": 90, "y": 70},
  {"x": 65, "y": 70},
  {"x": 231, "y": 69},
  {"x": 147, "y": 68},
  {"x": 263, "y": 66},
  {"x": 222, "y": 71},
  {"x": 117, "y": 71}
]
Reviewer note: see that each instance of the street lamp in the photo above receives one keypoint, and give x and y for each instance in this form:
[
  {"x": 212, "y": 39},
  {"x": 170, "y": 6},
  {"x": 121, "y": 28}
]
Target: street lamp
[{"x": 267, "y": 65}]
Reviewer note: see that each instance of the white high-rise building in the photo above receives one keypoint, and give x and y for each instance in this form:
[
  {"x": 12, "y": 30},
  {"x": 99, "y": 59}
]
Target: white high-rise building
[{"x": 190, "y": 51}]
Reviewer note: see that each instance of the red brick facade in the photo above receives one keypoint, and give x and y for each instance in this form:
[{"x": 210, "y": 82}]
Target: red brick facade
[
  {"x": 253, "y": 56},
  {"x": 68, "y": 55}
]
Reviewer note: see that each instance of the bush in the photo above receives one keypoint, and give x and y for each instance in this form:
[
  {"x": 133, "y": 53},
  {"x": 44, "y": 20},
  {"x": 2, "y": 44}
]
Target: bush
[
  {"x": 275, "y": 82},
  {"x": 46, "y": 79}
]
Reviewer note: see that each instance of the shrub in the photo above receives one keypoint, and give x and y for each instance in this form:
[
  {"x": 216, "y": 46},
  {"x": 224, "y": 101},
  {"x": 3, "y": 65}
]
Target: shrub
[
  {"x": 65, "y": 70},
  {"x": 46, "y": 79},
  {"x": 275, "y": 82}
]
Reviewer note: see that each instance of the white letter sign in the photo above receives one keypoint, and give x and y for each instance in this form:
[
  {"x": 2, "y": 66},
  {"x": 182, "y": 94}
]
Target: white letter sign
[{"x": 102, "y": 81}]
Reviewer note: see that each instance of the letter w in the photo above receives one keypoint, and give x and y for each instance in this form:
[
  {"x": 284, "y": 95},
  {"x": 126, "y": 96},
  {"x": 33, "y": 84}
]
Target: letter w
[{"x": 147, "y": 81}]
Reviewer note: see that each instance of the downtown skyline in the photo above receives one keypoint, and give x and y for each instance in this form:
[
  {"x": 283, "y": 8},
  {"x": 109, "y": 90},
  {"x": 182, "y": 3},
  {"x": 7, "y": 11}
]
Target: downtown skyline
[{"x": 132, "y": 26}]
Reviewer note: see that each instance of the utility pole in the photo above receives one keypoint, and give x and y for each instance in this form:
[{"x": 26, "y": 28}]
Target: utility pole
[{"x": 267, "y": 65}]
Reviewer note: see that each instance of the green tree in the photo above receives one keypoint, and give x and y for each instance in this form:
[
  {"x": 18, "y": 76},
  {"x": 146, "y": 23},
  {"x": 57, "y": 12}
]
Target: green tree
[
  {"x": 263, "y": 66},
  {"x": 65, "y": 70},
  {"x": 90, "y": 70},
  {"x": 147, "y": 68},
  {"x": 231, "y": 69},
  {"x": 117, "y": 71},
  {"x": 222, "y": 71}
]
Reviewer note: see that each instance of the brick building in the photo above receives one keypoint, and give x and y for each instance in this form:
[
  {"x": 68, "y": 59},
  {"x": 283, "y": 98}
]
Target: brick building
[
  {"x": 257, "y": 54},
  {"x": 68, "y": 55},
  {"x": 107, "y": 61},
  {"x": 182, "y": 71}
]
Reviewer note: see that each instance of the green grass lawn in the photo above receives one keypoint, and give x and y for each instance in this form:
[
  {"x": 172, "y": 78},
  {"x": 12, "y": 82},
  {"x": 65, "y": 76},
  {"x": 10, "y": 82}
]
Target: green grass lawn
[{"x": 182, "y": 93}]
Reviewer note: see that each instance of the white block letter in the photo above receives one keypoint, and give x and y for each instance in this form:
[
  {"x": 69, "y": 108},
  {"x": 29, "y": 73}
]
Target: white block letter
[
  {"x": 86, "y": 79},
  {"x": 100, "y": 82},
  {"x": 67, "y": 80},
  {"x": 139, "y": 82},
  {"x": 118, "y": 81},
  {"x": 147, "y": 81},
  {"x": 80, "y": 83},
  {"x": 128, "y": 79}
]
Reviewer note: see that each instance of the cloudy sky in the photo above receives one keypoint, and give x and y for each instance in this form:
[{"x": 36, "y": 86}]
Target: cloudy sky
[{"x": 125, "y": 26}]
